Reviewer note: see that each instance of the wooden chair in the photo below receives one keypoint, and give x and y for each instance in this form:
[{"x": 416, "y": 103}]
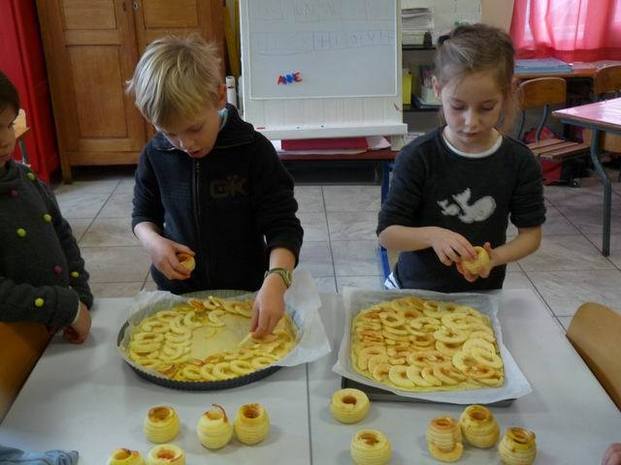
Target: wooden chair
[
  {"x": 543, "y": 93},
  {"x": 607, "y": 82},
  {"x": 594, "y": 332},
  {"x": 22, "y": 345}
]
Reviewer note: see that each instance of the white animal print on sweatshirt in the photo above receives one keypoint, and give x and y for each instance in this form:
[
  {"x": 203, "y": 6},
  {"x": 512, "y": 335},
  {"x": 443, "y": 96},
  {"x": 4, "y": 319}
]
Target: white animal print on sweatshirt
[{"x": 460, "y": 206}]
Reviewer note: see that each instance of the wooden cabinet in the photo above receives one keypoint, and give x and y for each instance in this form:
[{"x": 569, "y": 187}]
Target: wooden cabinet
[{"x": 91, "y": 49}]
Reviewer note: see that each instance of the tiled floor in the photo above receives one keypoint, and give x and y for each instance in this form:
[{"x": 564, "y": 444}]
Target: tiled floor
[{"x": 340, "y": 243}]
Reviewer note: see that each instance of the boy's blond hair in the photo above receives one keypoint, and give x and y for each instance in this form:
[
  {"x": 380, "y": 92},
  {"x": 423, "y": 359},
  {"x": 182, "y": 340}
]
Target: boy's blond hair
[{"x": 176, "y": 77}]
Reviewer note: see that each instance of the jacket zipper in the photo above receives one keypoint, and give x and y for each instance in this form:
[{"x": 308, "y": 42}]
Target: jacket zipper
[{"x": 197, "y": 209}]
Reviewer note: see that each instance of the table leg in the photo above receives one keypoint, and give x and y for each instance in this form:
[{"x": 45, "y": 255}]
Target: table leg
[
  {"x": 383, "y": 256},
  {"x": 386, "y": 169},
  {"x": 607, "y": 191}
]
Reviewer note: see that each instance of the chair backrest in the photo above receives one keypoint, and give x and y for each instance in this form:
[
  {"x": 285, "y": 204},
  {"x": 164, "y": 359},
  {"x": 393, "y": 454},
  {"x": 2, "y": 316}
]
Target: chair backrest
[
  {"x": 22, "y": 345},
  {"x": 607, "y": 80},
  {"x": 594, "y": 331},
  {"x": 606, "y": 84},
  {"x": 540, "y": 93}
]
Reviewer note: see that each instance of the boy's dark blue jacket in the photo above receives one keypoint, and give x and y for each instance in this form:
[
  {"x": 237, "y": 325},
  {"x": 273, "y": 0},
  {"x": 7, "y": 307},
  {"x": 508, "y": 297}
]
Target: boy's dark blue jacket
[{"x": 231, "y": 207}]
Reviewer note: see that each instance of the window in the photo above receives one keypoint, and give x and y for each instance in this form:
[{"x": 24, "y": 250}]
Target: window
[{"x": 572, "y": 30}]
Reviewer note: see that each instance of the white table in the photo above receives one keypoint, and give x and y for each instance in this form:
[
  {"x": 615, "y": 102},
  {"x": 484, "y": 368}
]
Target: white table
[
  {"x": 572, "y": 415},
  {"x": 86, "y": 398},
  {"x": 599, "y": 117}
]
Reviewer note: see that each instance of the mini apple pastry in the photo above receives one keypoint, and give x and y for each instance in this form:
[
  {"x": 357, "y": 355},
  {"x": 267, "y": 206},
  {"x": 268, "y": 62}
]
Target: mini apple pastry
[
  {"x": 444, "y": 439},
  {"x": 161, "y": 424},
  {"x": 166, "y": 454},
  {"x": 349, "y": 405},
  {"x": 518, "y": 447},
  {"x": 479, "y": 426},
  {"x": 252, "y": 424},
  {"x": 370, "y": 447},
  {"x": 214, "y": 429},
  {"x": 125, "y": 457}
]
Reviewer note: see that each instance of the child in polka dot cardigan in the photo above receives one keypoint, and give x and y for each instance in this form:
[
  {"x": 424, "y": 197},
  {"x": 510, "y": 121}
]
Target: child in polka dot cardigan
[{"x": 42, "y": 275}]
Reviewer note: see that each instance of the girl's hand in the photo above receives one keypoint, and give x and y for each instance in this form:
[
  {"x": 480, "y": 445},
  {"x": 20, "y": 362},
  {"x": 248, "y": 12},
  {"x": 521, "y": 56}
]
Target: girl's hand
[
  {"x": 77, "y": 332},
  {"x": 269, "y": 306},
  {"x": 484, "y": 271},
  {"x": 451, "y": 247},
  {"x": 163, "y": 254}
]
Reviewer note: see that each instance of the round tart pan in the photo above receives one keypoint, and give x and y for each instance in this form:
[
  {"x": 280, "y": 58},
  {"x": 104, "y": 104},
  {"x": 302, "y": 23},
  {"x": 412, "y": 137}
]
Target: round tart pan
[
  {"x": 198, "y": 385},
  {"x": 201, "y": 385}
]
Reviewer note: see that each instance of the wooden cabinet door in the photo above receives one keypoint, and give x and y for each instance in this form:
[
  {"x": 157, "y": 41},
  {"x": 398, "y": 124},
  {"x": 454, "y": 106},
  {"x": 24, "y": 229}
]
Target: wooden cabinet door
[
  {"x": 91, "y": 51},
  {"x": 157, "y": 18}
]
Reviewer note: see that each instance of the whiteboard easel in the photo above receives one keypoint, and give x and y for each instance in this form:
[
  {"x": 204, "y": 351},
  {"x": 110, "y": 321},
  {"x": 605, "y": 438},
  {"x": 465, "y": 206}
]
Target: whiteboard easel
[{"x": 347, "y": 54}]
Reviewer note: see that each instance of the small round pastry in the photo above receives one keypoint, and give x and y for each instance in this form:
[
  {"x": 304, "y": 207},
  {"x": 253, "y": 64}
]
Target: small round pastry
[
  {"x": 370, "y": 447},
  {"x": 252, "y": 424},
  {"x": 166, "y": 454},
  {"x": 482, "y": 260},
  {"x": 161, "y": 424},
  {"x": 479, "y": 426},
  {"x": 214, "y": 429},
  {"x": 444, "y": 439},
  {"x": 125, "y": 457},
  {"x": 349, "y": 405},
  {"x": 187, "y": 260},
  {"x": 517, "y": 447}
]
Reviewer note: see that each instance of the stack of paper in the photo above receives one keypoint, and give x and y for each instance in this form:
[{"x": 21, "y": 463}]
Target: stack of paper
[
  {"x": 542, "y": 66},
  {"x": 415, "y": 22}
]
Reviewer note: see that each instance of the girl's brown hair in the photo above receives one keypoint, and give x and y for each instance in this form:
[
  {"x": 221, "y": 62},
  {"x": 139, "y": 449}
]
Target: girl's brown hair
[
  {"x": 473, "y": 48},
  {"x": 8, "y": 94}
]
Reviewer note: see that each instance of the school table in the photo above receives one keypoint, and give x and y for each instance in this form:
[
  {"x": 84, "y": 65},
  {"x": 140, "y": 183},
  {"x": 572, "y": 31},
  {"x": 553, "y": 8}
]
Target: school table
[
  {"x": 87, "y": 398},
  {"x": 583, "y": 72},
  {"x": 604, "y": 116}
]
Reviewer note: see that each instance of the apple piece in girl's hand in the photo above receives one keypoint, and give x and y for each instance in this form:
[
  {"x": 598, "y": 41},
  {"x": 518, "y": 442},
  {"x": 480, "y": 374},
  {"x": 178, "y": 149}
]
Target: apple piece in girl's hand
[
  {"x": 481, "y": 261},
  {"x": 187, "y": 261}
]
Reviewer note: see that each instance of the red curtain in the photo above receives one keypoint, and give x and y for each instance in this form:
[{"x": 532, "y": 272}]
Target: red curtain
[{"x": 571, "y": 30}]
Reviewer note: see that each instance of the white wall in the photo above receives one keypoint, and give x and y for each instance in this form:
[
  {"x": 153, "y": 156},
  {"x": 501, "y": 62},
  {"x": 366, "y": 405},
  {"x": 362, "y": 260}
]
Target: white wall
[{"x": 497, "y": 13}]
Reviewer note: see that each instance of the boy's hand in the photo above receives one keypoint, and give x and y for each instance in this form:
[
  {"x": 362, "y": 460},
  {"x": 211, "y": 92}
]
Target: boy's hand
[
  {"x": 163, "y": 254},
  {"x": 612, "y": 456},
  {"x": 451, "y": 247},
  {"x": 269, "y": 306},
  {"x": 484, "y": 271},
  {"x": 77, "y": 332}
]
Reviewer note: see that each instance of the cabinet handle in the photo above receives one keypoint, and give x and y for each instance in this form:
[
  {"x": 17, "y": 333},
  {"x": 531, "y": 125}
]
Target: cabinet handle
[{"x": 136, "y": 6}]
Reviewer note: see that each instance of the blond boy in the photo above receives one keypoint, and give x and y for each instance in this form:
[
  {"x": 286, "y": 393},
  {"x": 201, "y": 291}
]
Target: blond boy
[{"x": 209, "y": 185}]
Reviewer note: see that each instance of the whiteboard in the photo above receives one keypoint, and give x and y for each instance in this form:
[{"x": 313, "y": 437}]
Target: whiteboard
[
  {"x": 321, "y": 68},
  {"x": 338, "y": 48}
]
